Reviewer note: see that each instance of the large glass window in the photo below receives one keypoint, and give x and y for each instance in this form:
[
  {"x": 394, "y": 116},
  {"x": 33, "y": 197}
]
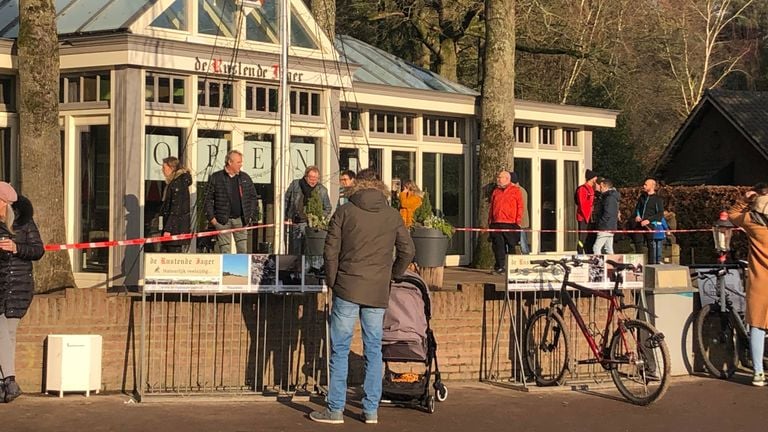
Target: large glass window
[
  {"x": 349, "y": 159},
  {"x": 165, "y": 89},
  {"x": 258, "y": 162},
  {"x": 350, "y": 119},
  {"x": 391, "y": 123},
  {"x": 6, "y": 155},
  {"x": 261, "y": 24},
  {"x": 443, "y": 179},
  {"x": 212, "y": 148},
  {"x": 571, "y": 183},
  {"x": 525, "y": 177},
  {"x": 217, "y": 17},
  {"x": 548, "y": 205},
  {"x": 174, "y": 18},
  {"x": 300, "y": 36},
  {"x": 215, "y": 94},
  {"x": 375, "y": 160},
  {"x": 94, "y": 196},
  {"x": 159, "y": 144},
  {"x": 85, "y": 87},
  {"x": 7, "y": 88}
]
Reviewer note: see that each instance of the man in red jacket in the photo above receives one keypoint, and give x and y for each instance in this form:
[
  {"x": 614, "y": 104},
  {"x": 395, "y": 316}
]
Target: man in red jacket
[
  {"x": 585, "y": 201},
  {"x": 506, "y": 212}
]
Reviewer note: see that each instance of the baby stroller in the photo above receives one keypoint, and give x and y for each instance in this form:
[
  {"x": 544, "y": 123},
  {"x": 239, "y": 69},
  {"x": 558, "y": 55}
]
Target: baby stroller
[{"x": 408, "y": 338}]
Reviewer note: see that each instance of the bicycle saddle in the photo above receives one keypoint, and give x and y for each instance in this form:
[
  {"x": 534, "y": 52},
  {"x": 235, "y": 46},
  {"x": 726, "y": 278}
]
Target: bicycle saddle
[{"x": 621, "y": 266}]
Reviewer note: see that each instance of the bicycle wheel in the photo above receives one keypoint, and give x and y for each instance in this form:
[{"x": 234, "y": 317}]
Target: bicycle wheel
[
  {"x": 546, "y": 347},
  {"x": 716, "y": 341},
  {"x": 639, "y": 362}
]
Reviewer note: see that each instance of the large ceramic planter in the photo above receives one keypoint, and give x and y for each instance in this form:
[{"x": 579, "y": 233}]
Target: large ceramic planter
[
  {"x": 431, "y": 246},
  {"x": 314, "y": 241}
]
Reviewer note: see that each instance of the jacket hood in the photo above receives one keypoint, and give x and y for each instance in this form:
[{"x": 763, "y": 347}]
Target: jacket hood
[
  {"x": 183, "y": 175},
  {"x": 23, "y": 211},
  {"x": 369, "y": 195}
]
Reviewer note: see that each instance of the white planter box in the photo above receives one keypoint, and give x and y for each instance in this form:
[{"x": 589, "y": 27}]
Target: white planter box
[{"x": 73, "y": 364}]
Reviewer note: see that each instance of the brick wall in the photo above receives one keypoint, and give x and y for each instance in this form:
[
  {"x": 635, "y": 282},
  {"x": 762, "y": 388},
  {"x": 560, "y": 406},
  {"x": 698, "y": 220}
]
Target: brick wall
[{"x": 207, "y": 344}]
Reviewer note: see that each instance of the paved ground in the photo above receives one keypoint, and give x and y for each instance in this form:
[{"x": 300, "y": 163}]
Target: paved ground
[{"x": 692, "y": 404}]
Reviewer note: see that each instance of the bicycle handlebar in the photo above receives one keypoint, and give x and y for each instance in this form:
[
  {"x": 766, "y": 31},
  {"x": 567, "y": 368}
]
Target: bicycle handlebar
[{"x": 563, "y": 262}]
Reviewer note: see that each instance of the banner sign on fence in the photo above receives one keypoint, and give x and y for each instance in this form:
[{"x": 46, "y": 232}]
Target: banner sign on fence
[
  {"x": 594, "y": 273},
  {"x": 230, "y": 273}
]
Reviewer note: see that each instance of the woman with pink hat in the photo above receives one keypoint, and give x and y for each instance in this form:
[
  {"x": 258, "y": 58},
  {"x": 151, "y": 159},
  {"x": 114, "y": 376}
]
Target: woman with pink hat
[{"x": 20, "y": 244}]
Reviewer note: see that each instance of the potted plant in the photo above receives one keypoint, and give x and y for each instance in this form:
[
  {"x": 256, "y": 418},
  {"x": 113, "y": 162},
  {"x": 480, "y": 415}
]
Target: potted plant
[
  {"x": 317, "y": 225},
  {"x": 430, "y": 234}
]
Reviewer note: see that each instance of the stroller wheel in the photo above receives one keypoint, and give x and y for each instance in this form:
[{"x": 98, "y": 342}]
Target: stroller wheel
[
  {"x": 429, "y": 404},
  {"x": 441, "y": 392}
]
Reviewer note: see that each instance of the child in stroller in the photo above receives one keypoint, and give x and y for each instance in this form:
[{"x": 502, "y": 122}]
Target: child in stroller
[{"x": 408, "y": 338}]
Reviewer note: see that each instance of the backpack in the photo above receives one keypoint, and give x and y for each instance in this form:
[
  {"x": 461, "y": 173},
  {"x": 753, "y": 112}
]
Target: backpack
[{"x": 660, "y": 229}]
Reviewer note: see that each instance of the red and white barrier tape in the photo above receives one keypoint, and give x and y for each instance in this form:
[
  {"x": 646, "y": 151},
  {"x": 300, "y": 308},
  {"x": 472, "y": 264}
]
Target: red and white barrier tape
[
  {"x": 189, "y": 236},
  {"x": 149, "y": 240}
]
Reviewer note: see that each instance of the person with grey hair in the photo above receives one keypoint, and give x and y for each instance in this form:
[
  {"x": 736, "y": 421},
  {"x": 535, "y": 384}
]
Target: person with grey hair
[
  {"x": 296, "y": 199},
  {"x": 751, "y": 214},
  {"x": 231, "y": 202},
  {"x": 20, "y": 244}
]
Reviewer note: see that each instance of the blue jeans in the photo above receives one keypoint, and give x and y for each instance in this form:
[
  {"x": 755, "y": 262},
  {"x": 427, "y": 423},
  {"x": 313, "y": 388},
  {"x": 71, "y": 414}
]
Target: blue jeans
[
  {"x": 344, "y": 315},
  {"x": 524, "y": 249}
]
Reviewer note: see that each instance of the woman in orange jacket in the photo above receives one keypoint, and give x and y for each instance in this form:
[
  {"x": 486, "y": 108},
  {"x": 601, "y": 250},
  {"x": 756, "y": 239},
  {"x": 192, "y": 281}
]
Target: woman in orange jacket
[{"x": 410, "y": 200}]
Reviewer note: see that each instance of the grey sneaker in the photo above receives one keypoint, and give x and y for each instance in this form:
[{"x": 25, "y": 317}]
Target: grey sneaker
[
  {"x": 758, "y": 379},
  {"x": 327, "y": 417},
  {"x": 370, "y": 418}
]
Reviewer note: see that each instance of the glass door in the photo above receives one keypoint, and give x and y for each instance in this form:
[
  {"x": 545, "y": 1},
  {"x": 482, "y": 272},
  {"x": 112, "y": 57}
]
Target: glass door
[
  {"x": 571, "y": 183},
  {"x": 443, "y": 178},
  {"x": 548, "y": 236},
  {"x": 94, "y": 197}
]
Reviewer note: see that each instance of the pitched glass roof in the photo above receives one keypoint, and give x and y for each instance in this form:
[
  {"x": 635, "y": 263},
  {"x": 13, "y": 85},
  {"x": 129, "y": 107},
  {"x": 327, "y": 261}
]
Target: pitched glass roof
[
  {"x": 380, "y": 67},
  {"x": 376, "y": 66},
  {"x": 78, "y": 16}
]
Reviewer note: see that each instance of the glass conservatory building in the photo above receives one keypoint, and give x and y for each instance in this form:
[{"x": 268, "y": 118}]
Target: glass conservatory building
[{"x": 143, "y": 80}]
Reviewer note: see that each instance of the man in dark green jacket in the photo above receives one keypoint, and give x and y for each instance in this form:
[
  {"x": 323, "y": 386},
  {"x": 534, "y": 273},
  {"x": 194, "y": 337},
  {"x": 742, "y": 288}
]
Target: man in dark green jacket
[{"x": 359, "y": 266}]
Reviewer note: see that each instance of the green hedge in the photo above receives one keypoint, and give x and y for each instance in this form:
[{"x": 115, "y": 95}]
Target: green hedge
[{"x": 694, "y": 207}]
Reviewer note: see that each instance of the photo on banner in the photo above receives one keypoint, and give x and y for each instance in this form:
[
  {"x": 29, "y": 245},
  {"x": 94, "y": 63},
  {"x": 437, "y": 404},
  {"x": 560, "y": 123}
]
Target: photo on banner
[
  {"x": 164, "y": 272},
  {"x": 595, "y": 272}
]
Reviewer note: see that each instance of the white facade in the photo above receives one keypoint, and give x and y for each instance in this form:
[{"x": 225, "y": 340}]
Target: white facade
[{"x": 130, "y": 98}]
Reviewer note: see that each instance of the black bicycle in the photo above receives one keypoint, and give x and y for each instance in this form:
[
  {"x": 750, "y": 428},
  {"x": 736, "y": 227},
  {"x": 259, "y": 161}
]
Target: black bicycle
[
  {"x": 634, "y": 353},
  {"x": 722, "y": 335}
]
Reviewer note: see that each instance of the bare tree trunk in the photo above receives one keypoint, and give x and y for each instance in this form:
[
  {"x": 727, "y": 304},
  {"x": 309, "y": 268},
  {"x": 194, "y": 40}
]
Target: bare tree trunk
[
  {"x": 324, "y": 12},
  {"x": 448, "y": 60},
  {"x": 498, "y": 109},
  {"x": 41, "y": 163}
]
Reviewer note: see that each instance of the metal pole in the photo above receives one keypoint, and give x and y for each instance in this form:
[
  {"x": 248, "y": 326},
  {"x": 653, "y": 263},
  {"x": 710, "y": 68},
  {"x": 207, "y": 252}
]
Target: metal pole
[{"x": 282, "y": 160}]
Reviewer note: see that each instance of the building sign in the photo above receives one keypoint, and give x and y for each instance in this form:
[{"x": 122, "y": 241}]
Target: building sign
[
  {"x": 232, "y": 273},
  {"x": 158, "y": 148},
  {"x": 302, "y": 156},
  {"x": 218, "y": 66},
  {"x": 257, "y": 161},
  {"x": 211, "y": 155},
  {"x": 594, "y": 273}
]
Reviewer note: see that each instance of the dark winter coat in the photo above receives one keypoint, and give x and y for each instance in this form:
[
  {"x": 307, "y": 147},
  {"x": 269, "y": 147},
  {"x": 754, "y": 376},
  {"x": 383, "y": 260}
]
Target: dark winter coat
[
  {"x": 16, "y": 283},
  {"x": 608, "y": 210},
  {"x": 650, "y": 207},
  {"x": 358, "y": 249},
  {"x": 217, "y": 198},
  {"x": 294, "y": 201},
  {"x": 175, "y": 209}
]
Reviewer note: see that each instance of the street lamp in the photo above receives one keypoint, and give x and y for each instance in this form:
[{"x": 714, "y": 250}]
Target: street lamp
[{"x": 721, "y": 232}]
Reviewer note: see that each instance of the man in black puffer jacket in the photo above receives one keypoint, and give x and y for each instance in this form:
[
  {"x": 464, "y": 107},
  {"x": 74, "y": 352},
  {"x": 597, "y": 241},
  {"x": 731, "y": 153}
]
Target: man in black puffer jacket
[
  {"x": 359, "y": 267},
  {"x": 231, "y": 202},
  {"x": 19, "y": 246}
]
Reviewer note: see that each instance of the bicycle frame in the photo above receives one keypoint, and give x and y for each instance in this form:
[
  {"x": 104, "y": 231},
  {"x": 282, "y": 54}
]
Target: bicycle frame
[{"x": 615, "y": 299}]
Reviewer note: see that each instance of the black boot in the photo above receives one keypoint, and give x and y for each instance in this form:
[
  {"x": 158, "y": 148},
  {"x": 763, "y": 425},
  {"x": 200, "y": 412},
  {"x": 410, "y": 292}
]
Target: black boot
[
  {"x": 12, "y": 389},
  {"x": 2, "y": 390}
]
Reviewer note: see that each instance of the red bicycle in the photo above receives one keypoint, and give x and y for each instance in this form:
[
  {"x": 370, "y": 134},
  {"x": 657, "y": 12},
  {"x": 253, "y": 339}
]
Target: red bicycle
[{"x": 634, "y": 353}]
